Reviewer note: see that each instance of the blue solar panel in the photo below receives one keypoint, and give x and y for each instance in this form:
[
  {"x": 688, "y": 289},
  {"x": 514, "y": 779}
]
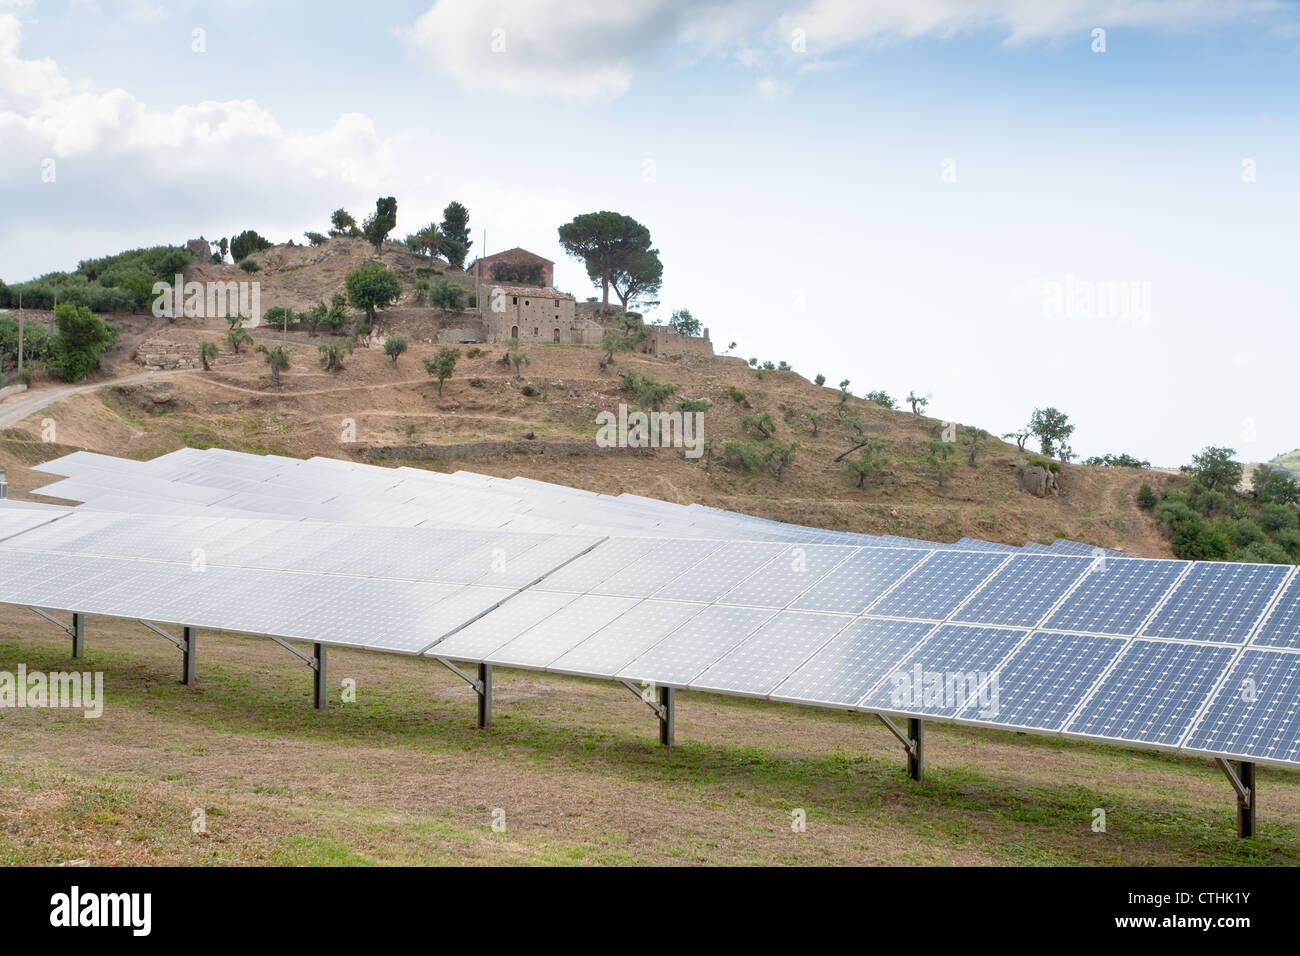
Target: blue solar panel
[
  {"x": 685, "y": 653},
  {"x": 1117, "y": 595},
  {"x": 768, "y": 655},
  {"x": 859, "y": 580},
  {"x": 853, "y": 662},
  {"x": 945, "y": 673},
  {"x": 1153, "y": 692},
  {"x": 1024, "y": 591},
  {"x": 1043, "y": 682},
  {"x": 938, "y": 585},
  {"x": 1282, "y": 628},
  {"x": 1256, "y": 713},
  {"x": 1218, "y": 602}
]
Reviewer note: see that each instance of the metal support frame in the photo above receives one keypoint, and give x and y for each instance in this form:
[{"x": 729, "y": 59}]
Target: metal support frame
[
  {"x": 664, "y": 704},
  {"x": 76, "y": 630},
  {"x": 188, "y": 645},
  {"x": 319, "y": 690},
  {"x": 482, "y": 686},
  {"x": 1243, "y": 781},
  {"x": 913, "y": 741}
]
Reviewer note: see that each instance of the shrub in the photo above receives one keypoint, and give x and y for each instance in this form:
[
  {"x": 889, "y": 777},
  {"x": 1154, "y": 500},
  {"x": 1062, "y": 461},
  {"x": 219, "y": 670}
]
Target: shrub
[
  {"x": 443, "y": 364},
  {"x": 245, "y": 244},
  {"x": 248, "y": 265},
  {"x": 870, "y": 463},
  {"x": 82, "y": 338},
  {"x": 315, "y": 238},
  {"x": 760, "y": 425},
  {"x": 882, "y": 398},
  {"x": 694, "y": 405},
  {"x": 820, "y": 380},
  {"x": 1146, "y": 498},
  {"x": 529, "y": 391},
  {"x": 371, "y": 287},
  {"x": 447, "y": 295},
  {"x": 394, "y": 346},
  {"x": 735, "y": 394},
  {"x": 742, "y": 456},
  {"x": 778, "y": 455}
]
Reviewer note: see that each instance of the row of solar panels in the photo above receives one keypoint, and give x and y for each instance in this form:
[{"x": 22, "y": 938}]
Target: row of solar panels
[
  {"x": 1153, "y": 652},
  {"x": 231, "y": 483}
]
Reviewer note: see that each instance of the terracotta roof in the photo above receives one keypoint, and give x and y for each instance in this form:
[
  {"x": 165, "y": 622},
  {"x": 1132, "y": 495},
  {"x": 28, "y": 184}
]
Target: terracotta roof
[
  {"x": 528, "y": 291},
  {"x": 506, "y": 252}
]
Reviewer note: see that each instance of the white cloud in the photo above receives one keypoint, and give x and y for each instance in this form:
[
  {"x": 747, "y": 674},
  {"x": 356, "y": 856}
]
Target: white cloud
[
  {"x": 771, "y": 89},
  {"x": 592, "y": 49}
]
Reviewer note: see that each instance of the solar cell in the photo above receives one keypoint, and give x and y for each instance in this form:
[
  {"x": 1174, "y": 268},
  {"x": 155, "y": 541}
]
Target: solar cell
[
  {"x": 478, "y": 640},
  {"x": 646, "y": 574},
  {"x": 586, "y": 572},
  {"x": 1256, "y": 711},
  {"x": 1022, "y": 592},
  {"x": 721, "y": 571},
  {"x": 1153, "y": 692},
  {"x": 548, "y": 639},
  {"x": 1218, "y": 602},
  {"x": 852, "y": 662},
  {"x": 787, "y": 575}
]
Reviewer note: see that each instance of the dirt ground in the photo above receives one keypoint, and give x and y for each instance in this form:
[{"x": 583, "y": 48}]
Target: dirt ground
[{"x": 241, "y": 769}]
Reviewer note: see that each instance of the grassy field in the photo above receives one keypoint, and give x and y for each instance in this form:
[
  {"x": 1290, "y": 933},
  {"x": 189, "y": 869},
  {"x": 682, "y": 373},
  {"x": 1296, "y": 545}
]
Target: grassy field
[{"x": 402, "y": 776}]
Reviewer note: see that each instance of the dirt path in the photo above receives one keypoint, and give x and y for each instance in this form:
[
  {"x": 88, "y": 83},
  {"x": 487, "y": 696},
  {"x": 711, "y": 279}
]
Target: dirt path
[{"x": 16, "y": 409}]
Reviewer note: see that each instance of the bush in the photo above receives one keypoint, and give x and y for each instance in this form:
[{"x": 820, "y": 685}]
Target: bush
[
  {"x": 820, "y": 380},
  {"x": 1146, "y": 498},
  {"x": 529, "y": 391},
  {"x": 394, "y": 346},
  {"x": 248, "y": 265},
  {"x": 245, "y": 244},
  {"x": 447, "y": 295},
  {"x": 82, "y": 338},
  {"x": 694, "y": 405},
  {"x": 735, "y": 394},
  {"x": 742, "y": 456}
]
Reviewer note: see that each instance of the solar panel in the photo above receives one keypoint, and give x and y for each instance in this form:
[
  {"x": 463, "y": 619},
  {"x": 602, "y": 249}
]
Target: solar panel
[
  {"x": 1282, "y": 627},
  {"x": 853, "y": 662},
  {"x": 787, "y": 575},
  {"x": 1256, "y": 711},
  {"x": 485, "y": 635},
  {"x": 646, "y": 574},
  {"x": 1218, "y": 602},
  {"x": 1023, "y": 591},
  {"x": 859, "y": 580},
  {"x": 945, "y": 673},
  {"x": 1046, "y": 679},
  {"x": 936, "y": 587},
  {"x": 1116, "y": 595},
  {"x": 687, "y": 651},
  {"x": 766, "y": 657},
  {"x": 1153, "y": 692},
  {"x": 601, "y": 562},
  {"x": 721, "y": 571},
  {"x": 625, "y": 638},
  {"x": 573, "y": 623}
]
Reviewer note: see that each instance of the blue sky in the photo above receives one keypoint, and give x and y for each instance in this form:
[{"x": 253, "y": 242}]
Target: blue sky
[{"x": 780, "y": 176}]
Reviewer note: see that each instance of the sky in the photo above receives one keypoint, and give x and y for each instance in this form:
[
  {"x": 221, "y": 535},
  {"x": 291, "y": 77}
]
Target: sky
[{"x": 1002, "y": 204}]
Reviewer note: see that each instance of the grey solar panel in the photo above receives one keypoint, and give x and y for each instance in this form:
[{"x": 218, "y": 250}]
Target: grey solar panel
[
  {"x": 1046, "y": 679},
  {"x": 1022, "y": 592},
  {"x": 860, "y": 580},
  {"x": 552, "y": 637},
  {"x": 786, "y": 576},
  {"x": 765, "y": 658},
  {"x": 854, "y": 661},
  {"x": 1117, "y": 595},
  {"x": 1282, "y": 626},
  {"x": 689, "y": 650},
  {"x": 1153, "y": 692},
  {"x": 485, "y": 635},
  {"x": 945, "y": 673},
  {"x": 1218, "y": 602},
  {"x": 936, "y": 587},
  {"x": 721, "y": 571},
  {"x": 625, "y": 638},
  {"x": 1256, "y": 711}
]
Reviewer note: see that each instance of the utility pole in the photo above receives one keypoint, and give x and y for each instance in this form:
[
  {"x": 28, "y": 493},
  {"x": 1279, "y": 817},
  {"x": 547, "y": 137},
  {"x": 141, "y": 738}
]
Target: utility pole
[{"x": 20, "y": 333}]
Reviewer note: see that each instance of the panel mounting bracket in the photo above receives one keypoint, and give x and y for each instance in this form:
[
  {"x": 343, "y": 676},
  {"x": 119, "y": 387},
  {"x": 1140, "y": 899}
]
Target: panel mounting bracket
[
  {"x": 171, "y": 637},
  {"x": 476, "y": 684},
  {"x": 1243, "y": 781},
  {"x": 643, "y": 693},
  {"x": 664, "y": 704},
  {"x": 913, "y": 742},
  {"x": 482, "y": 687},
  {"x": 76, "y": 630}
]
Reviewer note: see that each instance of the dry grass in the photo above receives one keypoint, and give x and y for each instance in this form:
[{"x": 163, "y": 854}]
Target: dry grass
[{"x": 402, "y": 776}]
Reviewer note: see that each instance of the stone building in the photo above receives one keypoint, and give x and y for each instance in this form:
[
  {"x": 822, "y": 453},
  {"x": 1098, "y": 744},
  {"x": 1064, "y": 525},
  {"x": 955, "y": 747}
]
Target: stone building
[
  {"x": 530, "y": 314},
  {"x": 483, "y": 268}
]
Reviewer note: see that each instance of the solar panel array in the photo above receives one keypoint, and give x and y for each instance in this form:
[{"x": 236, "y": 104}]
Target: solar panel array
[{"x": 513, "y": 572}]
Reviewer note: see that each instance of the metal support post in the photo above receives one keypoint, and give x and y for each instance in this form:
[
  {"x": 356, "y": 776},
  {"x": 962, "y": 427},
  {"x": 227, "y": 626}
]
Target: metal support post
[
  {"x": 1246, "y": 804},
  {"x": 484, "y": 691},
  {"x": 318, "y": 675},
  {"x": 667, "y": 715},
  {"x": 916, "y": 752},
  {"x": 78, "y": 635},
  {"x": 189, "y": 667}
]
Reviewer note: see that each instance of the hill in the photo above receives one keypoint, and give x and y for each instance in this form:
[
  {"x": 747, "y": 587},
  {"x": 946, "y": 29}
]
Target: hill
[
  {"x": 542, "y": 423},
  {"x": 1289, "y": 462}
]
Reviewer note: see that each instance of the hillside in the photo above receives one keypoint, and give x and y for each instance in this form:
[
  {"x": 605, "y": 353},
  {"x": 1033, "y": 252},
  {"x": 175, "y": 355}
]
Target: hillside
[
  {"x": 1289, "y": 462},
  {"x": 400, "y": 419}
]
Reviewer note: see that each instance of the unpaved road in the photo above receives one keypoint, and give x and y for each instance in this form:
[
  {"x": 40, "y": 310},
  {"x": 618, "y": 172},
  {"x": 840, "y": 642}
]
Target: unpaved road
[{"x": 15, "y": 409}]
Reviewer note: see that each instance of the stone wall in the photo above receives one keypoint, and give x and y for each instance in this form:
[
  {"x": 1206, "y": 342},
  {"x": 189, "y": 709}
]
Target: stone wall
[
  {"x": 160, "y": 352},
  {"x": 663, "y": 340}
]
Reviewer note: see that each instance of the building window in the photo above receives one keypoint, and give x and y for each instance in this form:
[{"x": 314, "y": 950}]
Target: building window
[
  {"x": 557, "y": 335},
  {"x": 525, "y": 301},
  {"x": 514, "y": 331},
  {"x": 514, "y": 300},
  {"x": 534, "y": 333}
]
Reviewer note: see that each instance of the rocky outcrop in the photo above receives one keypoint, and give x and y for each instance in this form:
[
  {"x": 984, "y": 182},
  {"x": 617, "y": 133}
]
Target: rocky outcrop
[{"x": 1038, "y": 480}]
